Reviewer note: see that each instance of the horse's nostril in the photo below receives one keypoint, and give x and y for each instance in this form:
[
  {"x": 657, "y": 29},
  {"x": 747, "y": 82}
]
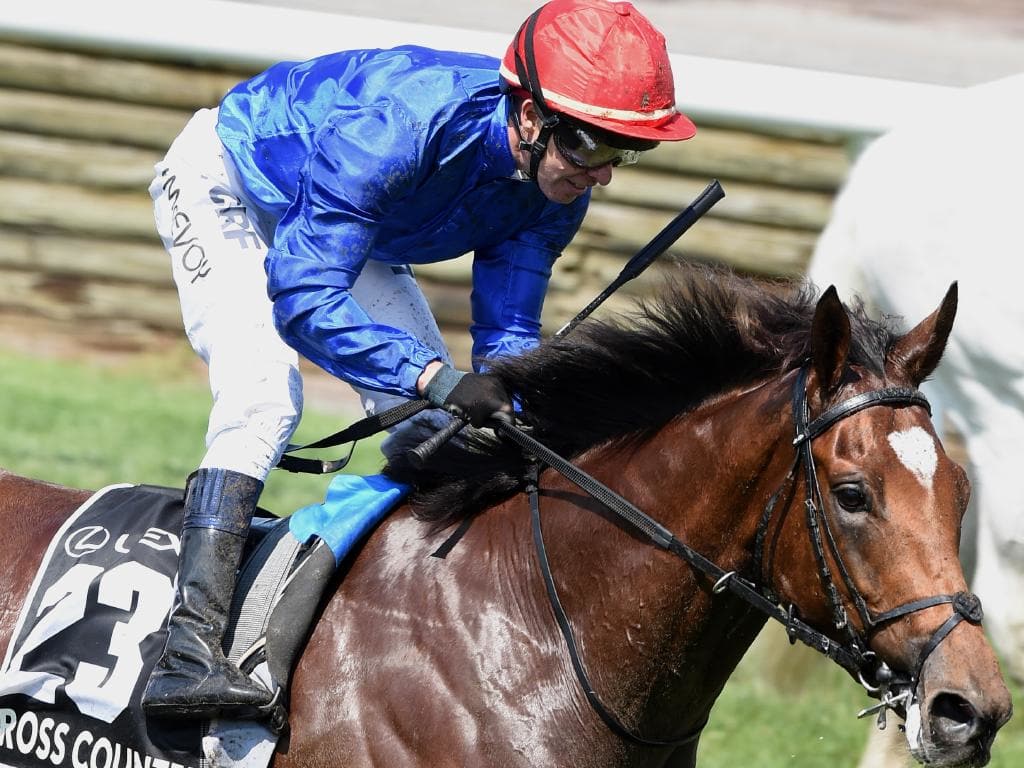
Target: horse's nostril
[
  {"x": 954, "y": 719},
  {"x": 953, "y": 707}
]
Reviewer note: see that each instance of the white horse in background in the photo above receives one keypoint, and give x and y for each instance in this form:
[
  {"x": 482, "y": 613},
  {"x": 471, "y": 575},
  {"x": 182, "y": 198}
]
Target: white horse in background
[{"x": 936, "y": 200}]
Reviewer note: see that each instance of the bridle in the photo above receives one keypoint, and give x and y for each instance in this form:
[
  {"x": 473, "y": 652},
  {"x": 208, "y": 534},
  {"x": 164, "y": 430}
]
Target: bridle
[
  {"x": 966, "y": 605},
  {"x": 893, "y": 689}
]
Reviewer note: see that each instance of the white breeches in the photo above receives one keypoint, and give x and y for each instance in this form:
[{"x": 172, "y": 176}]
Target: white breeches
[{"x": 218, "y": 243}]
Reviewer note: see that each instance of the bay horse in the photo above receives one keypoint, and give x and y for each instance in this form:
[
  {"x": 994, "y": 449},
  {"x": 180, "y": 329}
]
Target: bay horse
[{"x": 779, "y": 436}]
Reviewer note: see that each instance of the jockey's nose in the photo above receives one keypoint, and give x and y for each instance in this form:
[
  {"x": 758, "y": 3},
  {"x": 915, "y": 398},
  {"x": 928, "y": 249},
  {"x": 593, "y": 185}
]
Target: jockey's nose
[{"x": 601, "y": 175}]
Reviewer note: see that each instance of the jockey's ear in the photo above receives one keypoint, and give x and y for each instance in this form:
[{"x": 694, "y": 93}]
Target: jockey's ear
[
  {"x": 529, "y": 120},
  {"x": 830, "y": 340},
  {"x": 917, "y": 353}
]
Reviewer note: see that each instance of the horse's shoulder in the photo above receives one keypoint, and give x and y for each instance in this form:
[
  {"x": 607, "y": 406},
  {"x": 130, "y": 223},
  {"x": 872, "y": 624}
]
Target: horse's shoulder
[{"x": 407, "y": 556}]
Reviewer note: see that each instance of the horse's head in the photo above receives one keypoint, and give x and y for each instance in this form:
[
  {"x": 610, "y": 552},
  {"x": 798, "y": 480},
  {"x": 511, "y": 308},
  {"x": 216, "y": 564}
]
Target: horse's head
[{"x": 881, "y": 514}]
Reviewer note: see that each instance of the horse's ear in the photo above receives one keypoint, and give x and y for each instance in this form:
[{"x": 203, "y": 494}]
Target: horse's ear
[
  {"x": 830, "y": 340},
  {"x": 916, "y": 354}
]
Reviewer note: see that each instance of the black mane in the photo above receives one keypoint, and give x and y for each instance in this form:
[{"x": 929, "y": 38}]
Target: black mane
[{"x": 708, "y": 331}]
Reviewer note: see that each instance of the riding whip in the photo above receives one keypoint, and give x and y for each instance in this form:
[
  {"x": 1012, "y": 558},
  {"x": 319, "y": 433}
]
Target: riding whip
[
  {"x": 661, "y": 242},
  {"x": 646, "y": 256}
]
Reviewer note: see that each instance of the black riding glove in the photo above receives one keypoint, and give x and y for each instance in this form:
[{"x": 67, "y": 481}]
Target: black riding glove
[{"x": 474, "y": 396}]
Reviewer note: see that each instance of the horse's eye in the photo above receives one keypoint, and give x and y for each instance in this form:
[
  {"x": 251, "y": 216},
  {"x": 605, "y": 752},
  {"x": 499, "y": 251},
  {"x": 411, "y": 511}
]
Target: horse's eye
[{"x": 851, "y": 497}]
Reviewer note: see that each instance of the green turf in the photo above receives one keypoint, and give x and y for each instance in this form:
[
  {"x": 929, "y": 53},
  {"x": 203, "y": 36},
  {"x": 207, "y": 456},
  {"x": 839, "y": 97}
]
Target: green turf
[{"x": 87, "y": 425}]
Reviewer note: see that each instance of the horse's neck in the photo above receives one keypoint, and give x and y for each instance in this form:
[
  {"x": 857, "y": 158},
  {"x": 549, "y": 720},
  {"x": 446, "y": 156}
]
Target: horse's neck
[
  {"x": 657, "y": 646},
  {"x": 706, "y": 477}
]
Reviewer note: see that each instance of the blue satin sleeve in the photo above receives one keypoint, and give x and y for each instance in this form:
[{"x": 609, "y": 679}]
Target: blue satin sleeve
[
  {"x": 510, "y": 281},
  {"x": 352, "y": 180}
]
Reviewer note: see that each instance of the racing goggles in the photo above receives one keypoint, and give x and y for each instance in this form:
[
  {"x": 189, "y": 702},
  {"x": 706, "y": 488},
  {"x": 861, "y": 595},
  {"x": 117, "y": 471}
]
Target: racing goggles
[{"x": 589, "y": 149}]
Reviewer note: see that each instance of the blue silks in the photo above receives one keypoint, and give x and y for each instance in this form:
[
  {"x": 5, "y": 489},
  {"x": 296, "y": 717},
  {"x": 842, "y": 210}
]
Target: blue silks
[
  {"x": 400, "y": 157},
  {"x": 354, "y": 504}
]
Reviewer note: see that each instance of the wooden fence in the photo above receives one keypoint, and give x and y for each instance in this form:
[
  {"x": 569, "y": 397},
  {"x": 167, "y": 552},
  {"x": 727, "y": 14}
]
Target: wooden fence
[{"x": 80, "y": 131}]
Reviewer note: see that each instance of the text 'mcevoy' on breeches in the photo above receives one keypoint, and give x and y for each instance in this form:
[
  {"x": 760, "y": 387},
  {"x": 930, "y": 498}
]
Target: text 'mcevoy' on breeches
[{"x": 217, "y": 250}]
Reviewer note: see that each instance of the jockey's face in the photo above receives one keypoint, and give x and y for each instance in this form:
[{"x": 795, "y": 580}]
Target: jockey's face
[{"x": 561, "y": 180}]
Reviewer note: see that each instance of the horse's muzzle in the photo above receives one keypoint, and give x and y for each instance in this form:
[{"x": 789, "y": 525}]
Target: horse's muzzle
[{"x": 955, "y": 732}]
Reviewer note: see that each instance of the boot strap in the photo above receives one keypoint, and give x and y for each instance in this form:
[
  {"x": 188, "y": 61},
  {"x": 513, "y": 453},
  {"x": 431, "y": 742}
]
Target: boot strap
[{"x": 221, "y": 499}]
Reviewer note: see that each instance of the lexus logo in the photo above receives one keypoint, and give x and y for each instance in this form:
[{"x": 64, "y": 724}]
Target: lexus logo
[{"x": 84, "y": 541}]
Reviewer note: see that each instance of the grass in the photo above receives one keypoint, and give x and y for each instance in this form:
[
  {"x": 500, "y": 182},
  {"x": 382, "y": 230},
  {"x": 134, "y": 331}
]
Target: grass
[
  {"x": 88, "y": 425},
  {"x": 806, "y": 719}
]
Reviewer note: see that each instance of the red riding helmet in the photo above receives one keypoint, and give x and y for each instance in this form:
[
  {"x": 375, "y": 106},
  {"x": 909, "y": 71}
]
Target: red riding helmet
[{"x": 600, "y": 63}]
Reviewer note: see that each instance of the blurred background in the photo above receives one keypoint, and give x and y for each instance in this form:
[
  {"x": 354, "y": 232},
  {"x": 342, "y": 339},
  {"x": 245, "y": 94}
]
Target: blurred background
[
  {"x": 785, "y": 94},
  {"x": 97, "y": 384},
  {"x": 950, "y": 42}
]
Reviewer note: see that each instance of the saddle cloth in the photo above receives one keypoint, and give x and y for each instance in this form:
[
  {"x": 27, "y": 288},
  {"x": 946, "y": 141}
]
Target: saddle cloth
[
  {"x": 90, "y": 631},
  {"x": 94, "y": 624}
]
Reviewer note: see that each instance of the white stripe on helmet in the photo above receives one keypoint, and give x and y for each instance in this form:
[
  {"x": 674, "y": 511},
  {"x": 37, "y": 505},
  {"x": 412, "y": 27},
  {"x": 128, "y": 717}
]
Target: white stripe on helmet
[{"x": 623, "y": 115}]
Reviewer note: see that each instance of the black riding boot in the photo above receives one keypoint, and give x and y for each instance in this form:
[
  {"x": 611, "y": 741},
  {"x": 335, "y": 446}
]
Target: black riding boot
[{"x": 193, "y": 678}]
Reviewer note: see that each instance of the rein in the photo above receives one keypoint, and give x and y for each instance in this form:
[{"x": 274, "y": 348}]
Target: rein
[
  {"x": 363, "y": 428},
  {"x": 852, "y": 655}
]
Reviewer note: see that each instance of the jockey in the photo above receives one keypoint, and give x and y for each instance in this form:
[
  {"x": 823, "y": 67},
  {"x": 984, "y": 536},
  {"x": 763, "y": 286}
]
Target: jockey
[{"x": 292, "y": 214}]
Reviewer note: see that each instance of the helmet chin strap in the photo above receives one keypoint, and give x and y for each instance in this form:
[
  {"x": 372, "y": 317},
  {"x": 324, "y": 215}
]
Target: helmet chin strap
[
  {"x": 526, "y": 71},
  {"x": 539, "y": 145}
]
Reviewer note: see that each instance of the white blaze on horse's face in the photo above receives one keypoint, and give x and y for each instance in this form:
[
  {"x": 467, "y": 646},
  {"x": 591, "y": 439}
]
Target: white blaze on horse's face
[{"x": 915, "y": 448}]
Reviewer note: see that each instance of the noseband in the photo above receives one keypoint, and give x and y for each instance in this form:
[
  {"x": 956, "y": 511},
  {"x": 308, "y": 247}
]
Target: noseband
[{"x": 852, "y": 654}]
